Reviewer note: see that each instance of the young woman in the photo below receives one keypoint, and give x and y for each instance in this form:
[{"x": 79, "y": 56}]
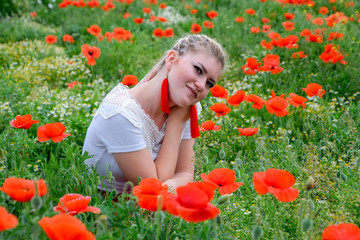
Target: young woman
[{"x": 145, "y": 131}]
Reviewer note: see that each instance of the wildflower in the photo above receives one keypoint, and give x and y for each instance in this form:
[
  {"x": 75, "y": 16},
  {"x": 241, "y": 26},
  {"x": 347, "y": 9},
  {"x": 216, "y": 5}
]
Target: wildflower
[
  {"x": 266, "y": 28},
  {"x": 277, "y": 182},
  {"x": 65, "y": 226},
  {"x": 258, "y": 101},
  {"x": 271, "y": 63},
  {"x": 255, "y": 30},
  {"x": 237, "y": 98},
  {"x": 209, "y": 125},
  {"x": 138, "y": 20},
  {"x": 208, "y": 24},
  {"x": 314, "y": 89},
  {"x": 50, "y": 39},
  {"x": 73, "y": 84},
  {"x": 296, "y": 100},
  {"x": 267, "y": 45},
  {"x": 278, "y": 106},
  {"x": 194, "y": 11},
  {"x": 318, "y": 21},
  {"x": 248, "y": 131},
  {"x": 308, "y": 16},
  {"x": 299, "y": 54},
  {"x": 94, "y": 30},
  {"x": 130, "y": 80},
  {"x": 289, "y": 26},
  {"x": 195, "y": 28},
  {"x": 212, "y": 14},
  {"x": 239, "y": 19},
  {"x": 110, "y": 5},
  {"x": 162, "y": 19},
  {"x": 335, "y": 36},
  {"x": 90, "y": 52},
  {"x": 323, "y": 10},
  {"x": 220, "y": 108},
  {"x": 348, "y": 231},
  {"x": 33, "y": 14},
  {"x": 53, "y": 131},
  {"x": 162, "y": 5},
  {"x": 168, "y": 32},
  {"x": 147, "y": 10},
  {"x": 224, "y": 179},
  {"x": 314, "y": 38},
  {"x": 305, "y": 33},
  {"x": 252, "y": 66},
  {"x": 126, "y": 15},
  {"x": 265, "y": 20},
  {"x": 73, "y": 203},
  {"x": 24, "y": 121},
  {"x": 273, "y": 35},
  {"x": 68, "y": 38},
  {"x": 192, "y": 202},
  {"x": 7, "y": 220},
  {"x": 23, "y": 190},
  {"x": 150, "y": 193},
  {"x": 250, "y": 11},
  {"x": 289, "y": 16},
  {"x": 158, "y": 32},
  {"x": 219, "y": 91}
]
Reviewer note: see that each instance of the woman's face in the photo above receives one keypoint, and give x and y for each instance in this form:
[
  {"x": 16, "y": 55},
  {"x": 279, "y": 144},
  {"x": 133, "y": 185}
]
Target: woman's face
[{"x": 191, "y": 76}]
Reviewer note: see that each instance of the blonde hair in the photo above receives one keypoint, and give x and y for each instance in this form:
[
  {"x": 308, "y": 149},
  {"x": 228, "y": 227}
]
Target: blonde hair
[{"x": 192, "y": 43}]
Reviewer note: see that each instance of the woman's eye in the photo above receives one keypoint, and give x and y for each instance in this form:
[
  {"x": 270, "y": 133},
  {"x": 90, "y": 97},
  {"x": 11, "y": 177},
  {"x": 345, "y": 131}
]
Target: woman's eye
[
  {"x": 210, "y": 84},
  {"x": 198, "y": 70}
]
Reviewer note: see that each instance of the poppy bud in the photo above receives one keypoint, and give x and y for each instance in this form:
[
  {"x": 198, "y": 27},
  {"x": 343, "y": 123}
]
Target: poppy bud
[
  {"x": 257, "y": 232},
  {"x": 223, "y": 199},
  {"x": 206, "y": 159},
  {"x": 306, "y": 224},
  {"x": 113, "y": 193},
  {"x": 103, "y": 219},
  {"x": 88, "y": 190},
  {"x": 213, "y": 234},
  {"x": 2, "y": 155},
  {"x": 36, "y": 203},
  {"x": 309, "y": 184},
  {"x": 222, "y": 153},
  {"x": 109, "y": 176},
  {"x": 130, "y": 204},
  {"x": 312, "y": 133},
  {"x": 160, "y": 216},
  {"x": 98, "y": 180},
  {"x": 343, "y": 177}
]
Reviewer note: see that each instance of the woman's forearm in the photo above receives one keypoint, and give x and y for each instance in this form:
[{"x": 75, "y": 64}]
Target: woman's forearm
[{"x": 179, "y": 179}]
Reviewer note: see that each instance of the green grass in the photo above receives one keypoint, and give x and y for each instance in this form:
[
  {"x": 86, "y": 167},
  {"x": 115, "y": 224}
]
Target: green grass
[{"x": 321, "y": 141}]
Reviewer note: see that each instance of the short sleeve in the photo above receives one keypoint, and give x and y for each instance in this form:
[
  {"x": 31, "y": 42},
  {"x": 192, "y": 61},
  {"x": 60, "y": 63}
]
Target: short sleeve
[{"x": 118, "y": 134}]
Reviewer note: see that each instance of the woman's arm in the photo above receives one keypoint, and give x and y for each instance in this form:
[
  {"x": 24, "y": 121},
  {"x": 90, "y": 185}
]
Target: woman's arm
[{"x": 139, "y": 164}]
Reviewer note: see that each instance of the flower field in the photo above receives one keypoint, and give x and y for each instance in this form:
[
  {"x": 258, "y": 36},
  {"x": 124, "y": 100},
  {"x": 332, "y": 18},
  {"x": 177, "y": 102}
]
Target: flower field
[{"x": 279, "y": 149}]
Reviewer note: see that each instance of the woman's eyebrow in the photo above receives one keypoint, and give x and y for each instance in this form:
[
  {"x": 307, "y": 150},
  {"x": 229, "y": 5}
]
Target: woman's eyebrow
[{"x": 202, "y": 66}]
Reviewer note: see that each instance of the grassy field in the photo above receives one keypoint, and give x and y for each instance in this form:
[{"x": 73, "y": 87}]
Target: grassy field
[{"x": 321, "y": 141}]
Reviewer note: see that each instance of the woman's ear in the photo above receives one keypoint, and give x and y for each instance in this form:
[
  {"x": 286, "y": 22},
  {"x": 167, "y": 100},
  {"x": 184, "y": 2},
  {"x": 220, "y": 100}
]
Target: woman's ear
[{"x": 170, "y": 58}]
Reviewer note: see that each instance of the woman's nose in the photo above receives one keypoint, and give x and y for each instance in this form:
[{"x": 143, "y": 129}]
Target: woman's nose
[{"x": 200, "y": 83}]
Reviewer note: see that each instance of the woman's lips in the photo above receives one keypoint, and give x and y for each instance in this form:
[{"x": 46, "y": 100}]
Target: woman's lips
[{"x": 192, "y": 92}]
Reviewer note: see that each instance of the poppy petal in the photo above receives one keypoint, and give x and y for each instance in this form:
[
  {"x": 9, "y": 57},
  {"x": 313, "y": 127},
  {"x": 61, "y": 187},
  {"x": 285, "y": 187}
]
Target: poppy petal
[
  {"x": 259, "y": 183},
  {"x": 279, "y": 178},
  {"x": 198, "y": 215},
  {"x": 41, "y": 135},
  {"x": 230, "y": 188},
  {"x": 284, "y": 195}
]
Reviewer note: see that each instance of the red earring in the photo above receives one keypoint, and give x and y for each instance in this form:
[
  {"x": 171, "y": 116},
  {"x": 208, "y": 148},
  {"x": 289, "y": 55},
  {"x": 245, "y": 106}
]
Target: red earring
[
  {"x": 165, "y": 105},
  {"x": 194, "y": 124}
]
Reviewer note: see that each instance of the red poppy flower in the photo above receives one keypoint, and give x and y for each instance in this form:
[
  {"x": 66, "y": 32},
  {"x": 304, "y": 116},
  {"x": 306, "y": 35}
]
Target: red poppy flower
[
  {"x": 65, "y": 226},
  {"x": 162, "y": 19},
  {"x": 73, "y": 84},
  {"x": 195, "y": 28},
  {"x": 126, "y": 15},
  {"x": 250, "y": 11},
  {"x": 138, "y": 20},
  {"x": 24, "y": 121},
  {"x": 323, "y": 10},
  {"x": 220, "y": 108},
  {"x": 266, "y": 28},
  {"x": 148, "y": 192},
  {"x": 74, "y": 203},
  {"x": 308, "y": 16},
  {"x": 192, "y": 202},
  {"x": 289, "y": 26},
  {"x": 274, "y": 35},
  {"x": 332, "y": 54},
  {"x": 68, "y": 38},
  {"x": 271, "y": 63},
  {"x": 224, "y": 179},
  {"x": 168, "y": 32},
  {"x": 110, "y": 4},
  {"x": 105, "y": 8},
  {"x": 208, "y": 24},
  {"x": 147, "y": 10},
  {"x": 289, "y": 16},
  {"x": 305, "y": 33},
  {"x": 318, "y": 21},
  {"x": 239, "y": 19},
  {"x": 299, "y": 54},
  {"x": 278, "y": 106},
  {"x": 296, "y": 100},
  {"x": 335, "y": 36},
  {"x": 255, "y": 30},
  {"x": 212, "y": 14},
  {"x": 130, "y": 80},
  {"x": 258, "y": 101},
  {"x": 50, "y": 39},
  {"x": 94, "y": 30},
  {"x": 33, "y": 14},
  {"x": 267, "y": 45},
  {"x": 194, "y": 11},
  {"x": 342, "y": 231},
  {"x": 7, "y": 220},
  {"x": 53, "y": 131},
  {"x": 248, "y": 131},
  {"x": 158, "y": 32},
  {"x": 237, "y": 98},
  {"x": 162, "y": 5},
  {"x": 90, "y": 52},
  {"x": 314, "y": 89},
  {"x": 265, "y": 20},
  {"x": 23, "y": 190},
  {"x": 219, "y": 91},
  {"x": 252, "y": 66},
  {"x": 277, "y": 182},
  {"x": 209, "y": 125}
]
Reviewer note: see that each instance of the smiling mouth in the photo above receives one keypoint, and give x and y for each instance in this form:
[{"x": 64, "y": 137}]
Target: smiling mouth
[{"x": 192, "y": 92}]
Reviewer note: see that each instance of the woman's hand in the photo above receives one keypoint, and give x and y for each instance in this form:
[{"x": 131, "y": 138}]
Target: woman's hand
[{"x": 179, "y": 114}]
